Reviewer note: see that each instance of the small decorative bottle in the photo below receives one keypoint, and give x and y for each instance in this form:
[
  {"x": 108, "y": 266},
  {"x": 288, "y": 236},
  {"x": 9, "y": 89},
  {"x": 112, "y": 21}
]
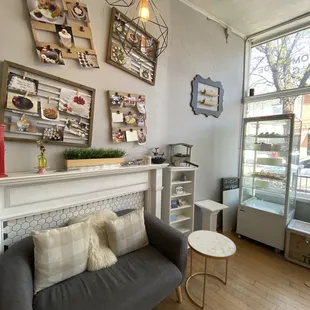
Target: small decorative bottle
[
  {"x": 183, "y": 177},
  {"x": 2, "y": 152},
  {"x": 42, "y": 161}
]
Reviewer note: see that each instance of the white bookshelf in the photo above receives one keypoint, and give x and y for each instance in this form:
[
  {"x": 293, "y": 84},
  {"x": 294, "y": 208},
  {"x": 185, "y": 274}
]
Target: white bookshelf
[{"x": 181, "y": 217}]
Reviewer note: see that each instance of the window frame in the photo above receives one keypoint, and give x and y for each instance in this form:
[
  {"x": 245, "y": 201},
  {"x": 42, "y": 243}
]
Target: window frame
[{"x": 251, "y": 42}]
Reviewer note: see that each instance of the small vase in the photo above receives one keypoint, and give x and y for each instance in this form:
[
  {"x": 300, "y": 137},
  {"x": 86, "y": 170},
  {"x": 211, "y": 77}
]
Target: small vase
[
  {"x": 183, "y": 177},
  {"x": 42, "y": 164}
]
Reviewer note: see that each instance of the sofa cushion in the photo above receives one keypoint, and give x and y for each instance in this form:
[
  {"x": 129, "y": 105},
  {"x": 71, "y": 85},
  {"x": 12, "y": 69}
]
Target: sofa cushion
[
  {"x": 139, "y": 281},
  {"x": 127, "y": 233},
  {"x": 59, "y": 254}
]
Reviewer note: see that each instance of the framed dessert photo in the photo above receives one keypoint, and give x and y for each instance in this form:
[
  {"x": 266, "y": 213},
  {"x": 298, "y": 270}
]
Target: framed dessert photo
[
  {"x": 22, "y": 103},
  {"x": 77, "y": 11},
  {"x": 116, "y": 100},
  {"x": 87, "y": 60},
  {"x": 119, "y": 136},
  {"x": 22, "y": 124},
  {"x": 22, "y": 84},
  {"x": 141, "y": 137},
  {"x": 49, "y": 55},
  {"x": 65, "y": 36},
  {"x": 119, "y": 27},
  {"x": 75, "y": 102},
  {"x": 133, "y": 38},
  {"x": 47, "y": 11},
  {"x": 53, "y": 134},
  {"x": 49, "y": 109},
  {"x": 76, "y": 127},
  {"x": 118, "y": 54},
  {"x": 148, "y": 47}
]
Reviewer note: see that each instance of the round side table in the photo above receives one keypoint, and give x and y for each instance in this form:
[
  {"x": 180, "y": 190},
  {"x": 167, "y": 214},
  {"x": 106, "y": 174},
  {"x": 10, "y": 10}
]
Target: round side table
[{"x": 213, "y": 245}]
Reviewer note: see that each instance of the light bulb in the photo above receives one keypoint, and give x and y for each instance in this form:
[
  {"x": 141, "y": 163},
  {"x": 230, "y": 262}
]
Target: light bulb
[{"x": 144, "y": 12}]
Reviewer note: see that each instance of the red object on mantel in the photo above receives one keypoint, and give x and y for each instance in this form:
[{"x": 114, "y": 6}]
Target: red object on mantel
[{"x": 2, "y": 152}]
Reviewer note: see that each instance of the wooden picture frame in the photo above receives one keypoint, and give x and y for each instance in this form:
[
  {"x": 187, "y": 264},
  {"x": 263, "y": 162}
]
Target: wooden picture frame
[
  {"x": 49, "y": 87},
  {"x": 207, "y": 97},
  {"x": 79, "y": 29},
  {"x": 134, "y": 69},
  {"x": 70, "y": 53},
  {"x": 119, "y": 107}
]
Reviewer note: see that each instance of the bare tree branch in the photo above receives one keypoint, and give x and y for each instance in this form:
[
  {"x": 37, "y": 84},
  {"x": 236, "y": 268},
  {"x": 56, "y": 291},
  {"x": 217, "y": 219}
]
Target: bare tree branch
[{"x": 305, "y": 77}]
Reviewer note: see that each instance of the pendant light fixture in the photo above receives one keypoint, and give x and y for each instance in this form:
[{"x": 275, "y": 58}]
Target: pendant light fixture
[
  {"x": 144, "y": 12},
  {"x": 149, "y": 21}
]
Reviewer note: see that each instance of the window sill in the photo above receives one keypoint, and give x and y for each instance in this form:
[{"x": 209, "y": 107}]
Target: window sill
[{"x": 303, "y": 197}]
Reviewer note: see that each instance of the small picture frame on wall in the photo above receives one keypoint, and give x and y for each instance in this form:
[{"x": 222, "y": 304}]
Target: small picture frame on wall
[{"x": 207, "y": 97}]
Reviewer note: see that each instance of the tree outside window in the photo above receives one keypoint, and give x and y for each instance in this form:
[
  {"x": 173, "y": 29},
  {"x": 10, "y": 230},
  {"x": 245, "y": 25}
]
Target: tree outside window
[{"x": 278, "y": 65}]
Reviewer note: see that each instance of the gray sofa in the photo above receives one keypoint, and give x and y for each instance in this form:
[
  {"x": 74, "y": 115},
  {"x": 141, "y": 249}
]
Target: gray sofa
[{"x": 139, "y": 281}]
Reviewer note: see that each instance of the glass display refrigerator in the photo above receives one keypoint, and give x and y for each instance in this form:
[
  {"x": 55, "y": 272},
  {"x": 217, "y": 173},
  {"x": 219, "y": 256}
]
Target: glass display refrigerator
[{"x": 269, "y": 167}]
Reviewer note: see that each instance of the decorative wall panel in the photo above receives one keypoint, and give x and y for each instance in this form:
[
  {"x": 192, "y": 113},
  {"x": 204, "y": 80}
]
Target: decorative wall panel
[{"x": 16, "y": 229}]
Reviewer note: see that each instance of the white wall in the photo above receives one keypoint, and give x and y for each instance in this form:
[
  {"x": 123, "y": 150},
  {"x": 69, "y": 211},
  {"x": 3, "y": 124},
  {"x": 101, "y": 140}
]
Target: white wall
[
  {"x": 197, "y": 46},
  {"x": 17, "y": 45}
]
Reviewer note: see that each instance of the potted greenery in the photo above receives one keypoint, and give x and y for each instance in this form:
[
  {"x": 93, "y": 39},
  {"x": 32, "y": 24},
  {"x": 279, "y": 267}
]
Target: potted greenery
[{"x": 77, "y": 158}]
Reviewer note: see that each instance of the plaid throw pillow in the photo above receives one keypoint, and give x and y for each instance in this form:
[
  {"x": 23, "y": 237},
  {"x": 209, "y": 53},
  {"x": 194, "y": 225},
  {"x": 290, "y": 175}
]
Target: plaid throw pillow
[
  {"x": 60, "y": 254},
  {"x": 127, "y": 233}
]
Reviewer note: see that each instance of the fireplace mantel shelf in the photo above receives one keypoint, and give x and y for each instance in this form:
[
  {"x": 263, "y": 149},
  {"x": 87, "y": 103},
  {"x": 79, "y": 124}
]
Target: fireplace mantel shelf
[
  {"x": 32, "y": 177},
  {"x": 28, "y": 196}
]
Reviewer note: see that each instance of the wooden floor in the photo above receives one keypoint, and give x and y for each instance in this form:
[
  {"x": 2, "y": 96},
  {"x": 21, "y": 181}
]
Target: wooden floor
[{"x": 258, "y": 278}]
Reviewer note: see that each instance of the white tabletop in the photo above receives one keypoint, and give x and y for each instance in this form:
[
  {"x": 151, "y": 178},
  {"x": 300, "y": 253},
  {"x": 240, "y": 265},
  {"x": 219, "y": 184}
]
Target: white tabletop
[
  {"x": 210, "y": 205},
  {"x": 211, "y": 244}
]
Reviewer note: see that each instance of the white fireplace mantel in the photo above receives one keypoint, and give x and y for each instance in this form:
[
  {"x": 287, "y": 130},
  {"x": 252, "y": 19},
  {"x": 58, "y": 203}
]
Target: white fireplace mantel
[{"x": 24, "y": 194}]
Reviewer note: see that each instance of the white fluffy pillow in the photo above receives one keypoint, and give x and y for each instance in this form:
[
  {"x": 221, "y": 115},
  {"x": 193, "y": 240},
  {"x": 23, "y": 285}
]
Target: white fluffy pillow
[{"x": 100, "y": 255}]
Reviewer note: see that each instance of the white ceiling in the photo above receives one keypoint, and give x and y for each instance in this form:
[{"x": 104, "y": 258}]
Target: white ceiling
[{"x": 250, "y": 16}]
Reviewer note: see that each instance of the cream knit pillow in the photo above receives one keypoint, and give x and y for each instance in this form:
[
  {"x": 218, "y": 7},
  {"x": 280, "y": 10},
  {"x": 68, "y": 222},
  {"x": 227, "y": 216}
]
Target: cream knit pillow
[
  {"x": 127, "y": 233},
  {"x": 60, "y": 254}
]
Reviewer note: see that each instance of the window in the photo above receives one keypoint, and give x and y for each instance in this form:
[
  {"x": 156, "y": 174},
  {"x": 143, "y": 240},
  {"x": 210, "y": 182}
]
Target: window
[
  {"x": 281, "y": 64},
  {"x": 279, "y": 73}
]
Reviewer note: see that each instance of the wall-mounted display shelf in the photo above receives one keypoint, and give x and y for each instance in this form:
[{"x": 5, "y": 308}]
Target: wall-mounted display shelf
[
  {"x": 179, "y": 198},
  {"x": 270, "y": 157},
  {"x": 207, "y": 97},
  {"x": 139, "y": 61},
  {"x": 128, "y": 117},
  {"x": 39, "y": 106}
]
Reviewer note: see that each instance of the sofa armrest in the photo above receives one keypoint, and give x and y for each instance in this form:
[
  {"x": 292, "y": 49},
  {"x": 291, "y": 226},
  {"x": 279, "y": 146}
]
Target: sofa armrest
[
  {"x": 16, "y": 276},
  {"x": 167, "y": 240}
]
